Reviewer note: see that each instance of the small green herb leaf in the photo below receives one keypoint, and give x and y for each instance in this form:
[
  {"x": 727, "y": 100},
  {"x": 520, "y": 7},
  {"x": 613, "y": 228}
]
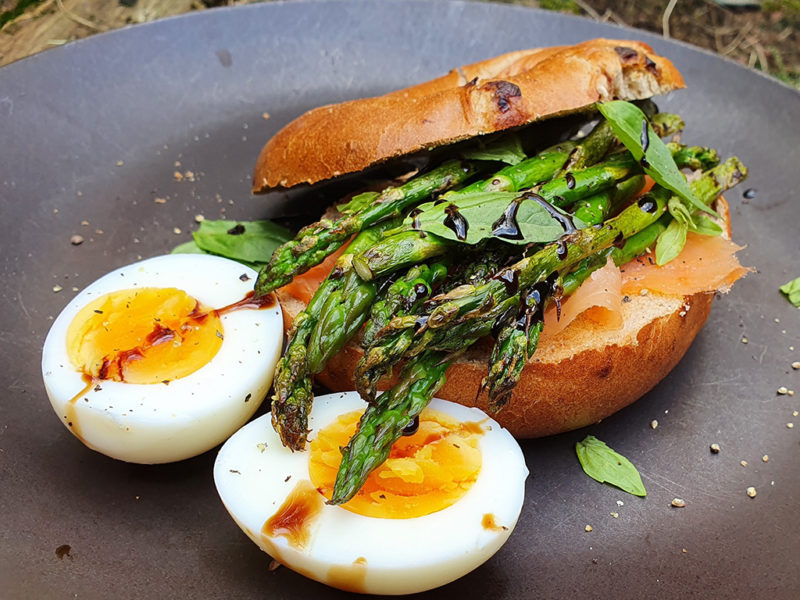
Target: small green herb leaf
[
  {"x": 607, "y": 466},
  {"x": 482, "y": 211},
  {"x": 792, "y": 291},
  {"x": 245, "y": 241},
  {"x": 508, "y": 150},
  {"x": 671, "y": 242},
  {"x": 193, "y": 248},
  {"x": 188, "y": 248},
  {"x": 679, "y": 211},
  {"x": 704, "y": 225},
  {"x": 627, "y": 121}
]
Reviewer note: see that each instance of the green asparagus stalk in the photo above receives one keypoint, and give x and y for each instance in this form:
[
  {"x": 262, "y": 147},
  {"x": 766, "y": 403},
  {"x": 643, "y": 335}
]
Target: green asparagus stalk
[
  {"x": 666, "y": 124},
  {"x": 411, "y": 247},
  {"x": 591, "y": 150},
  {"x": 597, "y": 207},
  {"x": 344, "y": 312},
  {"x": 383, "y": 422},
  {"x": 292, "y": 383},
  {"x": 526, "y": 173},
  {"x": 424, "y": 373},
  {"x": 697, "y": 158},
  {"x": 508, "y": 358},
  {"x": 315, "y": 242},
  {"x": 402, "y": 296},
  {"x": 519, "y": 334},
  {"x": 510, "y": 352},
  {"x": 385, "y": 347}
]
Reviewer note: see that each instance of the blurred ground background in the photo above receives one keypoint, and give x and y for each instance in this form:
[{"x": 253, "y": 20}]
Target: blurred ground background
[{"x": 762, "y": 34}]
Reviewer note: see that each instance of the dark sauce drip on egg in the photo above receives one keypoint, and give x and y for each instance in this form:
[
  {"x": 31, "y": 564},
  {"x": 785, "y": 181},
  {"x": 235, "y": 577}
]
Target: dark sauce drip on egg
[
  {"x": 249, "y": 302},
  {"x": 159, "y": 335},
  {"x": 412, "y": 427},
  {"x": 349, "y": 578},
  {"x": 302, "y": 505},
  {"x": 489, "y": 523},
  {"x": 70, "y": 414}
]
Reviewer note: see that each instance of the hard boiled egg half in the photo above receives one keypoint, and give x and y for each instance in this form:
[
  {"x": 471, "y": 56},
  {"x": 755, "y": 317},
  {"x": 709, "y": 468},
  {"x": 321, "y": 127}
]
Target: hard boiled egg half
[
  {"x": 163, "y": 359},
  {"x": 443, "y": 503}
]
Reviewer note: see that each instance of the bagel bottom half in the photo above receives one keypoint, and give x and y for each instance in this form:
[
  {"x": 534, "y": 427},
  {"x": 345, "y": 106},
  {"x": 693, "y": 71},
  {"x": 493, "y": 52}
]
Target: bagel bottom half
[{"x": 579, "y": 377}]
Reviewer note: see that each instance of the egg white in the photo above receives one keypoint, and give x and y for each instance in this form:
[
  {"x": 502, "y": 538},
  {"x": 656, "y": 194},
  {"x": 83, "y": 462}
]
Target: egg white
[
  {"x": 254, "y": 474},
  {"x": 157, "y": 423}
]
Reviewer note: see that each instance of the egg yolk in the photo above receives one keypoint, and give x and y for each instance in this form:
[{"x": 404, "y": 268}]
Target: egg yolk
[
  {"x": 425, "y": 472},
  {"x": 147, "y": 335}
]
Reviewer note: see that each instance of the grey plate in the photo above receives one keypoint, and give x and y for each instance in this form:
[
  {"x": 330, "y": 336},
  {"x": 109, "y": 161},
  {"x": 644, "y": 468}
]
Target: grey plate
[{"x": 91, "y": 131}]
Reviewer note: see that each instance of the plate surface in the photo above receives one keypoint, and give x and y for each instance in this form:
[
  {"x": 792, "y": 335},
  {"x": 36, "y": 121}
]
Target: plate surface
[{"x": 95, "y": 131}]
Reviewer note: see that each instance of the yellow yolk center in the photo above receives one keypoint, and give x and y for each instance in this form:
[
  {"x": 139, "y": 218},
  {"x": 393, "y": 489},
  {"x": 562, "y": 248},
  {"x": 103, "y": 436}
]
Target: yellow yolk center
[
  {"x": 147, "y": 335},
  {"x": 425, "y": 472}
]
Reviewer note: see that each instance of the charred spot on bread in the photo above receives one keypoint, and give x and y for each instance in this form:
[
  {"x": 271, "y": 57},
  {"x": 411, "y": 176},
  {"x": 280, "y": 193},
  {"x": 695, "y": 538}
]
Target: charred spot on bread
[
  {"x": 604, "y": 371},
  {"x": 626, "y": 54},
  {"x": 651, "y": 66},
  {"x": 504, "y": 93}
]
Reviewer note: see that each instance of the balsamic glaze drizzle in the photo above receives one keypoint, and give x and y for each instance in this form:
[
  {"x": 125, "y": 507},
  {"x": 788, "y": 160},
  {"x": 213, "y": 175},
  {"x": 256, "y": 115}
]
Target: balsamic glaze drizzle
[
  {"x": 565, "y": 221},
  {"x": 507, "y": 226},
  {"x": 412, "y": 427},
  {"x": 561, "y": 249},
  {"x": 420, "y": 323},
  {"x": 414, "y": 214},
  {"x": 456, "y": 221},
  {"x": 570, "y": 180},
  {"x": 647, "y": 205},
  {"x": 532, "y": 302},
  {"x": 510, "y": 278},
  {"x": 645, "y": 137}
]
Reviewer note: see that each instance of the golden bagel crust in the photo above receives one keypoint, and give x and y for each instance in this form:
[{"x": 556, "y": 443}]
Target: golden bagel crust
[
  {"x": 575, "y": 379},
  {"x": 506, "y": 91}
]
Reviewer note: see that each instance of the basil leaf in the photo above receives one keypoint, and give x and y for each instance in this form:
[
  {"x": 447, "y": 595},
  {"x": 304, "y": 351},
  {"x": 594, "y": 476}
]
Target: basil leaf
[
  {"x": 358, "y": 202},
  {"x": 193, "y": 248},
  {"x": 507, "y": 150},
  {"x": 245, "y": 241},
  {"x": 482, "y": 210},
  {"x": 627, "y": 120},
  {"x": 671, "y": 241},
  {"x": 704, "y": 225},
  {"x": 792, "y": 291},
  {"x": 188, "y": 248},
  {"x": 606, "y": 466},
  {"x": 679, "y": 211}
]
